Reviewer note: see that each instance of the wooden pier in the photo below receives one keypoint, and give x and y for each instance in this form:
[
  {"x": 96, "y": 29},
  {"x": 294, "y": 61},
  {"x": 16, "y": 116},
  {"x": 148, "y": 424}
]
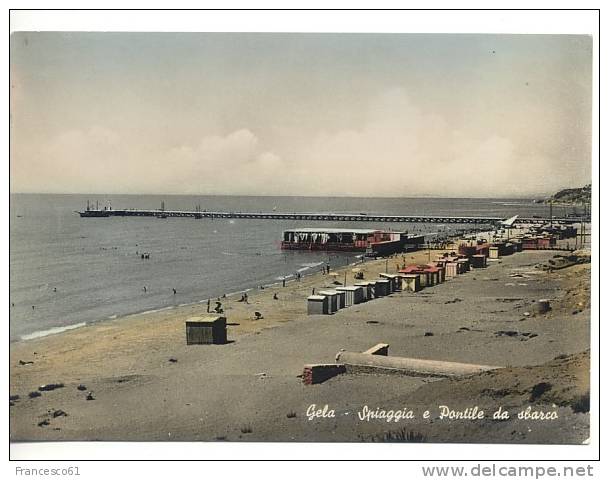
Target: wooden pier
[{"x": 325, "y": 217}]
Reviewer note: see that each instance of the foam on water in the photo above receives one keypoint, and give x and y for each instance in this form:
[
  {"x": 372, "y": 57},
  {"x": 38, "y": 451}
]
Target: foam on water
[{"x": 51, "y": 331}]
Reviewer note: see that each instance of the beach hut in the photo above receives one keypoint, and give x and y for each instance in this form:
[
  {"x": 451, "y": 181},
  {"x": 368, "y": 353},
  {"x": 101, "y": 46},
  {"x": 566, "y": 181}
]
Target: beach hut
[
  {"x": 353, "y": 295},
  {"x": 332, "y": 297},
  {"x": 341, "y": 296},
  {"x": 317, "y": 305},
  {"x": 396, "y": 283},
  {"x": 372, "y": 289},
  {"x": 504, "y": 248},
  {"x": 467, "y": 249},
  {"x": 442, "y": 272},
  {"x": 367, "y": 290},
  {"x": 410, "y": 282},
  {"x": 463, "y": 265},
  {"x": 435, "y": 273},
  {"x": 482, "y": 249},
  {"x": 529, "y": 243},
  {"x": 451, "y": 269},
  {"x": 546, "y": 242},
  {"x": 382, "y": 287},
  {"x": 206, "y": 330},
  {"x": 427, "y": 274},
  {"x": 478, "y": 261},
  {"x": 430, "y": 277}
]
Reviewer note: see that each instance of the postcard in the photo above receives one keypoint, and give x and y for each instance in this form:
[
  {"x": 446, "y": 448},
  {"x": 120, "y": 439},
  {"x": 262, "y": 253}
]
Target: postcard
[{"x": 300, "y": 237}]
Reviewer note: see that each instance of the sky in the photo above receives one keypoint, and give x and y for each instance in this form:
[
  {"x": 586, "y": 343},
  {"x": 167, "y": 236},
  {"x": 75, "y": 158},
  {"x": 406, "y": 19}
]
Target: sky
[{"x": 395, "y": 115}]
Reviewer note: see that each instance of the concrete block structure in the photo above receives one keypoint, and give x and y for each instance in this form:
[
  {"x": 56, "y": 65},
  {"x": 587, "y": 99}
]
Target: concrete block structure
[{"x": 320, "y": 372}]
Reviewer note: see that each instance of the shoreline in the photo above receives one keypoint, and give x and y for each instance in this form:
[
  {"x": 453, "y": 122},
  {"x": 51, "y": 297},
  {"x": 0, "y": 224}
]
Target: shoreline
[
  {"x": 450, "y": 239},
  {"x": 146, "y": 382},
  {"x": 61, "y": 329},
  {"x": 182, "y": 308}
]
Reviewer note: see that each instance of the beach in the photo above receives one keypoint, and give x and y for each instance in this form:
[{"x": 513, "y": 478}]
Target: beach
[{"x": 145, "y": 383}]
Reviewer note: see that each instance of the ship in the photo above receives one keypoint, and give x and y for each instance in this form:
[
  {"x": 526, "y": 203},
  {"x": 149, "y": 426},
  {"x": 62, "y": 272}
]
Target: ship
[
  {"x": 94, "y": 212},
  {"x": 371, "y": 241}
]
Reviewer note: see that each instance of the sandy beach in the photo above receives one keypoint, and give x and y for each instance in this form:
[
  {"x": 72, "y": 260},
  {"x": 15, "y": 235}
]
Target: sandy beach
[{"x": 146, "y": 384}]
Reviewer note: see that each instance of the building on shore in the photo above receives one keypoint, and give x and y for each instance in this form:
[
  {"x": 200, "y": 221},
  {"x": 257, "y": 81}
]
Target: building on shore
[{"x": 371, "y": 241}]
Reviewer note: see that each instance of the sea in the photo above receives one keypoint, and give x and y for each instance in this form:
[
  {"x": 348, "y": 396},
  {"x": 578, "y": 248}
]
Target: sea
[{"x": 67, "y": 271}]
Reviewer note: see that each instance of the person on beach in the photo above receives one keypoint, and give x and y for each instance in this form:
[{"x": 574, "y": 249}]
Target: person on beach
[
  {"x": 275, "y": 296},
  {"x": 313, "y": 291},
  {"x": 175, "y": 291},
  {"x": 283, "y": 282},
  {"x": 208, "y": 304},
  {"x": 144, "y": 288},
  {"x": 245, "y": 298}
]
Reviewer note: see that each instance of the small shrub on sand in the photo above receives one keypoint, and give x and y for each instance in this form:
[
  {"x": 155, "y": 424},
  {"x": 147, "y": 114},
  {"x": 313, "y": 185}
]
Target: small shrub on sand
[
  {"x": 581, "y": 404},
  {"x": 399, "y": 436},
  {"x": 539, "y": 389}
]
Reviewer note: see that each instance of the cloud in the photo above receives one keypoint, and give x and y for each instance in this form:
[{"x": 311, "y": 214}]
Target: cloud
[
  {"x": 402, "y": 150},
  {"x": 92, "y": 158},
  {"x": 398, "y": 149},
  {"x": 100, "y": 160},
  {"x": 229, "y": 164}
]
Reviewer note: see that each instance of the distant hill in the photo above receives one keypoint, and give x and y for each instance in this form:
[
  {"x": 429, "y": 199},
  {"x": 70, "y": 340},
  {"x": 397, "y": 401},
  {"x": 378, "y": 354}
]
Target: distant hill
[{"x": 577, "y": 196}]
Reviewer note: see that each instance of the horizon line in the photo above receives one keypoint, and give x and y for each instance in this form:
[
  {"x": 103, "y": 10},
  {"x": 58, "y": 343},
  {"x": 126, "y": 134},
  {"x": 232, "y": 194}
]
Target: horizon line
[{"x": 519, "y": 197}]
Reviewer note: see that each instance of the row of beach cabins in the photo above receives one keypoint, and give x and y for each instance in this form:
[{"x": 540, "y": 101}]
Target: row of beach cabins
[{"x": 413, "y": 278}]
